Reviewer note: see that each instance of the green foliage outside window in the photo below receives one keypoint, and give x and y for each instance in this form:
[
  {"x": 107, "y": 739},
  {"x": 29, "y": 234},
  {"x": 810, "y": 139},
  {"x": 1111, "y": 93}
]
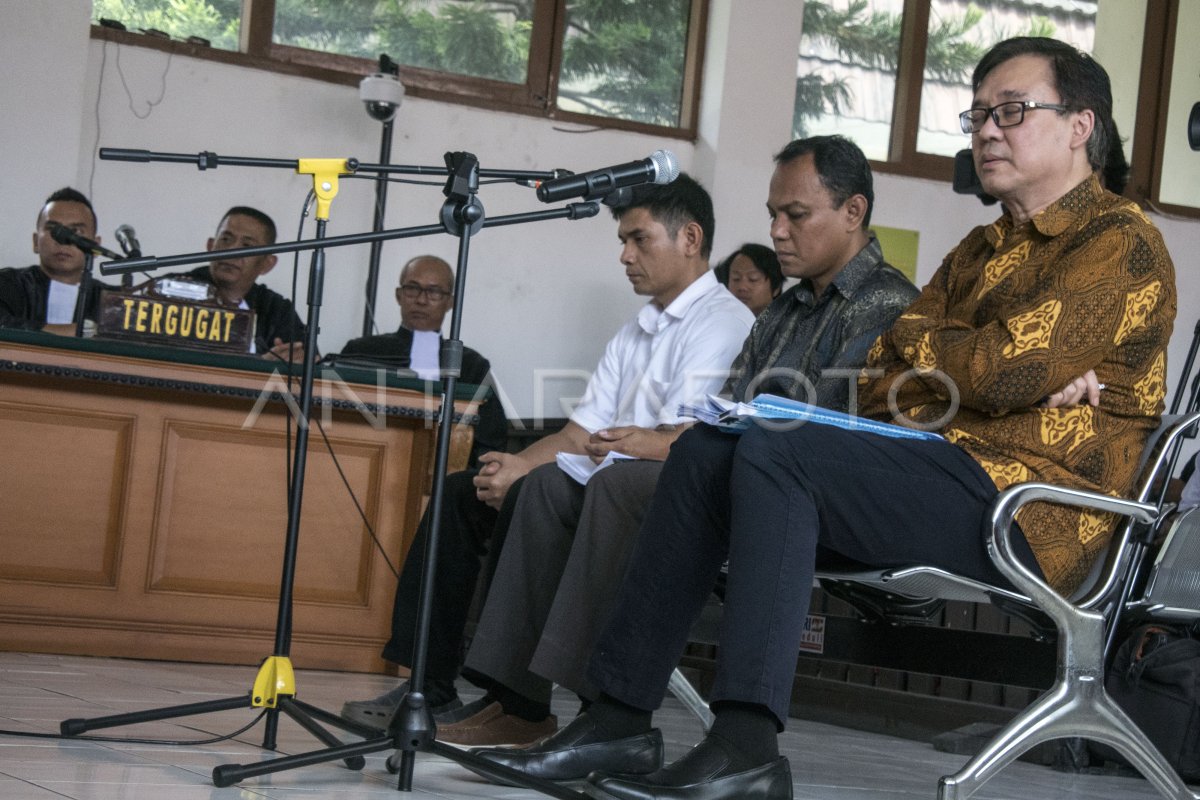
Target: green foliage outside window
[
  {"x": 871, "y": 39},
  {"x": 625, "y": 59},
  {"x": 621, "y": 58},
  {"x": 465, "y": 37},
  {"x": 214, "y": 20}
]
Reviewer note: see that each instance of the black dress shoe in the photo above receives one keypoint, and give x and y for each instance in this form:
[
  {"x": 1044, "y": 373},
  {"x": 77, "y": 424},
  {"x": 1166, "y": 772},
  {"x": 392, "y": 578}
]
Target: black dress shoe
[
  {"x": 705, "y": 773},
  {"x": 577, "y": 750}
]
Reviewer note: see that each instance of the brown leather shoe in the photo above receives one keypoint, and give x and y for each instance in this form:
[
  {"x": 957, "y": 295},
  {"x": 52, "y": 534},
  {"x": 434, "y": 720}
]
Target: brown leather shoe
[{"x": 491, "y": 727}]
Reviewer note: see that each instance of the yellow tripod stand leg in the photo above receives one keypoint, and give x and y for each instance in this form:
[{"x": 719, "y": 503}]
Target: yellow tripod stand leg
[{"x": 275, "y": 679}]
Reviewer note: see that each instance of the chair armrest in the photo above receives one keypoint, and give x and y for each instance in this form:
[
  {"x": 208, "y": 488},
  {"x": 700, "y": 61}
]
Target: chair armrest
[
  {"x": 1157, "y": 456},
  {"x": 1011, "y": 500}
]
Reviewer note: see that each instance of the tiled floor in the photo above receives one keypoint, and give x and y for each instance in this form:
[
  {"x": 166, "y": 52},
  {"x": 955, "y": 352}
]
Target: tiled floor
[{"x": 39, "y": 691}]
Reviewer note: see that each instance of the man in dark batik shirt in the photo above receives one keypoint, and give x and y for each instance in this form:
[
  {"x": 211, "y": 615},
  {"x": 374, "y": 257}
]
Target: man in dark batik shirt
[
  {"x": 811, "y": 343},
  {"x": 568, "y": 556}
]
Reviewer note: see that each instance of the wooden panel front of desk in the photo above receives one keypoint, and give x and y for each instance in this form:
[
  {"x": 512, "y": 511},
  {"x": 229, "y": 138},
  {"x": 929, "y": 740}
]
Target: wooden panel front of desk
[{"x": 144, "y": 512}]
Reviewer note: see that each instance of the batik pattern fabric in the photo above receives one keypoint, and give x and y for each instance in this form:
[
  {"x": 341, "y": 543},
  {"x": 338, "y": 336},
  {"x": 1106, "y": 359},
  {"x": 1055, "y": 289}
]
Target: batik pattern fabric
[
  {"x": 1014, "y": 314},
  {"x": 810, "y": 348}
]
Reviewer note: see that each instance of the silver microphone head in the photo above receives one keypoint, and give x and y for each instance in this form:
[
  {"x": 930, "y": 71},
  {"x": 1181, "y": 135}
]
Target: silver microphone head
[
  {"x": 127, "y": 238},
  {"x": 666, "y": 166}
]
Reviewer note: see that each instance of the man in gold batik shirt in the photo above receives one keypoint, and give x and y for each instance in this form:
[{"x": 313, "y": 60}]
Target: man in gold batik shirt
[
  {"x": 1004, "y": 353},
  {"x": 1086, "y": 286}
]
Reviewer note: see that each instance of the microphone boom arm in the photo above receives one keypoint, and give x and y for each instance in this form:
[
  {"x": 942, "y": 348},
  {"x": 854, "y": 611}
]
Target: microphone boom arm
[
  {"x": 146, "y": 263},
  {"x": 207, "y": 160}
]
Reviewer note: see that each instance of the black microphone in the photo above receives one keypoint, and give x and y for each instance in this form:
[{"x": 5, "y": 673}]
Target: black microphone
[
  {"x": 128, "y": 241},
  {"x": 661, "y": 167},
  {"x": 64, "y": 235}
]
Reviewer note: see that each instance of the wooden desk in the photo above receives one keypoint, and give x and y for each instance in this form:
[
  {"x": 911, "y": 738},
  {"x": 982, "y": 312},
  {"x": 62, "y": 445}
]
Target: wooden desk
[{"x": 143, "y": 505}]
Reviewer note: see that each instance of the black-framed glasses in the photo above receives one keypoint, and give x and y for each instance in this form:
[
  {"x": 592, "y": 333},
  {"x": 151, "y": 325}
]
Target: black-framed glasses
[
  {"x": 1005, "y": 115},
  {"x": 414, "y": 290}
]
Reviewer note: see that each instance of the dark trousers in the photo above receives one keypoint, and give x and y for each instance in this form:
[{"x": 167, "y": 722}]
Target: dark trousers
[
  {"x": 469, "y": 539},
  {"x": 558, "y": 575},
  {"x": 771, "y": 502}
]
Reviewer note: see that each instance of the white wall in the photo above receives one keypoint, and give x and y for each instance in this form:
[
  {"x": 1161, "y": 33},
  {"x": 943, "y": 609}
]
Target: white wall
[
  {"x": 746, "y": 113},
  {"x": 41, "y": 106},
  {"x": 541, "y": 298},
  {"x": 544, "y": 295}
]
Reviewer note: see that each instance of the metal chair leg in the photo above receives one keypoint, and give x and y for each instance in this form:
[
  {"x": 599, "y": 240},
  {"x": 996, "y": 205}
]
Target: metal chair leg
[
  {"x": 1076, "y": 705},
  {"x": 683, "y": 690},
  {"x": 1076, "y": 708}
]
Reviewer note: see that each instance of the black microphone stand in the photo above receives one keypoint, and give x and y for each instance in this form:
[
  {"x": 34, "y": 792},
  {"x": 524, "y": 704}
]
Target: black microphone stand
[
  {"x": 274, "y": 686},
  {"x": 412, "y": 728},
  {"x": 85, "y": 289},
  {"x": 381, "y": 190},
  {"x": 388, "y": 113}
]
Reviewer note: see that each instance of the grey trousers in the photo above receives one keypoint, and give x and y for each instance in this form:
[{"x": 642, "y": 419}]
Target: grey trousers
[{"x": 558, "y": 575}]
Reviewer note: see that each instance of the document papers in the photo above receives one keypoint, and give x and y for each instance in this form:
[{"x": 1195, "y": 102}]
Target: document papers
[
  {"x": 581, "y": 467},
  {"x": 737, "y": 416}
]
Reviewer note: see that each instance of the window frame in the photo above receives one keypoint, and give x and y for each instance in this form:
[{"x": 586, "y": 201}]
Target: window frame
[
  {"x": 536, "y": 97},
  {"x": 1146, "y": 161},
  {"x": 1158, "y": 58}
]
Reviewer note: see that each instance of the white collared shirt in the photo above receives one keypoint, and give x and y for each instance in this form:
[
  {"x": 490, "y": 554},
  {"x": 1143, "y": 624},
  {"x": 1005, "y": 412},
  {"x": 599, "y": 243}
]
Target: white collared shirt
[
  {"x": 60, "y": 303},
  {"x": 665, "y": 357},
  {"x": 423, "y": 355}
]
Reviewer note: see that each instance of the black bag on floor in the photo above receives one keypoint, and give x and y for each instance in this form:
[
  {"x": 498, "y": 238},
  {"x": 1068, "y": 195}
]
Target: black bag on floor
[{"x": 1155, "y": 679}]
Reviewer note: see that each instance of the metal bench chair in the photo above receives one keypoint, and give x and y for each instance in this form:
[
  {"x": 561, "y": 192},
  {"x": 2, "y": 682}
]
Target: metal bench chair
[
  {"x": 1118, "y": 590},
  {"x": 1086, "y": 623},
  {"x": 1140, "y": 577}
]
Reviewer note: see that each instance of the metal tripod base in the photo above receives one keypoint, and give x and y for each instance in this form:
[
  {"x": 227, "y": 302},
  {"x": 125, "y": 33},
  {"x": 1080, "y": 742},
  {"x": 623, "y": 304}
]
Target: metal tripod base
[
  {"x": 274, "y": 690},
  {"x": 75, "y": 727},
  {"x": 305, "y": 715},
  {"x": 410, "y": 731}
]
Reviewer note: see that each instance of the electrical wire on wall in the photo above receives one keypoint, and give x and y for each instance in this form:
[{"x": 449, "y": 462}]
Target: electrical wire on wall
[{"x": 150, "y": 104}]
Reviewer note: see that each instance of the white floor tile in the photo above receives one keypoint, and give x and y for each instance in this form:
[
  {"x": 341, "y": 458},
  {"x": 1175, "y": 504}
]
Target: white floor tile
[{"x": 38, "y": 691}]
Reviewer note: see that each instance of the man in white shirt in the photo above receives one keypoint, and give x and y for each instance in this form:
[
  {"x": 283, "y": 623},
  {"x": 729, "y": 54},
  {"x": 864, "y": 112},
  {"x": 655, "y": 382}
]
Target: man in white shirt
[
  {"x": 568, "y": 548},
  {"x": 677, "y": 349},
  {"x": 45, "y": 295}
]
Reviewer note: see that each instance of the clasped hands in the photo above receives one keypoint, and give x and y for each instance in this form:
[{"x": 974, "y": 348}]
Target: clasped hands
[
  {"x": 499, "y": 471},
  {"x": 1085, "y": 388}
]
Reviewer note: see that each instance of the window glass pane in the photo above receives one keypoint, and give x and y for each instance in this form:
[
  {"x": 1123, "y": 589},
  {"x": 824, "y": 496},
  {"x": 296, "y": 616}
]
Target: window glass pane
[
  {"x": 960, "y": 32},
  {"x": 625, "y": 59},
  {"x": 464, "y": 37},
  {"x": 1181, "y": 164},
  {"x": 846, "y": 74},
  {"x": 217, "y": 21},
  {"x": 1120, "y": 32}
]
